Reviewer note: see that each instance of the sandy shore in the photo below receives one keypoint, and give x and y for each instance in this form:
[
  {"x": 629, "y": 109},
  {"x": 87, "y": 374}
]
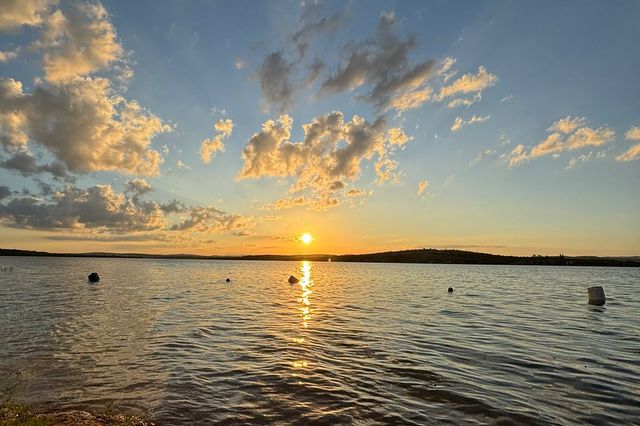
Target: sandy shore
[{"x": 12, "y": 413}]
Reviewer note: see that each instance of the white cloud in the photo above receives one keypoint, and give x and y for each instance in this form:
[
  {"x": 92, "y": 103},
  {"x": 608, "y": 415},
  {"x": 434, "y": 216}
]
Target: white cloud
[
  {"x": 209, "y": 147},
  {"x": 16, "y": 13},
  {"x": 518, "y": 156},
  {"x": 571, "y": 133},
  {"x": 84, "y": 123},
  {"x": 422, "y": 187},
  {"x": 332, "y": 151},
  {"x": 7, "y": 56},
  {"x": 582, "y": 158},
  {"x": 181, "y": 165},
  {"x": 633, "y": 134},
  {"x": 76, "y": 41},
  {"x": 458, "y": 123},
  {"x": 633, "y": 153},
  {"x": 567, "y": 125},
  {"x": 473, "y": 84},
  {"x": 481, "y": 156}
]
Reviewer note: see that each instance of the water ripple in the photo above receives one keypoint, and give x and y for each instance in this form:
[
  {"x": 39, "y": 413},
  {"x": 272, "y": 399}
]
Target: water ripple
[{"x": 357, "y": 344}]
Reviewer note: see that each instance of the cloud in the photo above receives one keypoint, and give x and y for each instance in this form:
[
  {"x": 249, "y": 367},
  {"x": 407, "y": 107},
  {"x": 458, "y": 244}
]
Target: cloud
[
  {"x": 101, "y": 212},
  {"x": 316, "y": 25},
  {"x": 331, "y": 150},
  {"x": 633, "y": 153},
  {"x": 27, "y": 165},
  {"x": 138, "y": 186},
  {"x": 76, "y": 41},
  {"x": 455, "y": 103},
  {"x": 411, "y": 100},
  {"x": 209, "y": 147},
  {"x": 275, "y": 80},
  {"x": 382, "y": 63},
  {"x": 473, "y": 84},
  {"x": 518, "y": 156},
  {"x": 570, "y": 133},
  {"x": 458, "y": 123},
  {"x": 633, "y": 134},
  {"x": 581, "y": 158},
  {"x": 422, "y": 187},
  {"x": 481, "y": 156},
  {"x": 567, "y": 125},
  {"x": 84, "y": 123},
  {"x": 181, "y": 165},
  {"x": 16, "y": 13},
  {"x": 7, "y": 56},
  {"x": 355, "y": 192},
  {"x": 4, "y": 192}
]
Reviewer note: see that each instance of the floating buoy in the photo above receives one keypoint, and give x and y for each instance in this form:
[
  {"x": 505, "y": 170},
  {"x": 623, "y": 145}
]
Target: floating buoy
[
  {"x": 293, "y": 280},
  {"x": 596, "y": 296},
  {"x": 450, "y": 290},
  {"x": 94, "y": 277},
  {"x": 228, "y": 280}
]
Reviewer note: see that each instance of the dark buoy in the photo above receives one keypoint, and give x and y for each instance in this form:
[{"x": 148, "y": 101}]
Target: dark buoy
[
  {"x": 293, "y": 280},
  {"x": 450, "y": 290},
  {"x": 94, "y": 277},
  {"x": 228, "y": 280},
  {"x": 596, "y": 296}
]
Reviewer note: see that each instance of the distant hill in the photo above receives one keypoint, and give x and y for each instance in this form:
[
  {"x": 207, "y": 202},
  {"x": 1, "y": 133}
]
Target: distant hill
[
  {"x": 474, "y": 258},
  {"x": 402, "y": 256}
]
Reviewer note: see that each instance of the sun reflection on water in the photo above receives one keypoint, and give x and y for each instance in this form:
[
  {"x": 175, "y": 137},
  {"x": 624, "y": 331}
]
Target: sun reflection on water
[
  {"x": 305, "y": 284},
  {"x": 305, "y": 310}
]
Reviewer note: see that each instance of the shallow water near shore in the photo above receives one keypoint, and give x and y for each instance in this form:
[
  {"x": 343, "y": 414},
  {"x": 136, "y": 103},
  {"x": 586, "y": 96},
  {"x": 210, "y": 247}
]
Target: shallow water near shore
[{"x": 351, "y": 343}]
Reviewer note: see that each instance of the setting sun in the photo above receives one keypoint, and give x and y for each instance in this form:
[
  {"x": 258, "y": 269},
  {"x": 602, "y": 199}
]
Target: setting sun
[{"x": 306, "y": 238}]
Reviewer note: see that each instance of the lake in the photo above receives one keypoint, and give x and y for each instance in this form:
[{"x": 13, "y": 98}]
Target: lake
[{"x": 351, "y": 343}]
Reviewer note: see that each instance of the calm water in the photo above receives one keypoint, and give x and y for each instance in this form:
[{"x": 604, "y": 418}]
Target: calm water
[{"x": 352, "y": 343}]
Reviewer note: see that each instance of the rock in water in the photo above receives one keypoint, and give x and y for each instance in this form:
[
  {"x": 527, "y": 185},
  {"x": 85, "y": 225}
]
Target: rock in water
[
  {"x": 293, "y": 280},
  {"x": 94, "y": 277}
]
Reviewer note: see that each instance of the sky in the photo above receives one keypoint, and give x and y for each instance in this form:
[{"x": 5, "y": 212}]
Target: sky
[{"x": 509, "y": 127}]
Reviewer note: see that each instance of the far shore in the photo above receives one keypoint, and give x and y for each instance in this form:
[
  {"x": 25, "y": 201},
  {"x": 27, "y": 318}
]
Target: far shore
[{"x": 425, "y": 255}]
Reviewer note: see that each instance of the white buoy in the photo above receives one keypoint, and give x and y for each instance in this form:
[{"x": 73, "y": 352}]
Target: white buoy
[{"x": 596, "y": 296}]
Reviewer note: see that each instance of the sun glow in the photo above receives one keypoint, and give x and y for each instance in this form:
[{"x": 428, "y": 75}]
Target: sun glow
[{"x": 306, "y": 238}]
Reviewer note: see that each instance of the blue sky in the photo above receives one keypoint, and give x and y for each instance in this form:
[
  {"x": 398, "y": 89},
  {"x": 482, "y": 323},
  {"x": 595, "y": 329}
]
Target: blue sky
[{"x": 524, "y": 140}]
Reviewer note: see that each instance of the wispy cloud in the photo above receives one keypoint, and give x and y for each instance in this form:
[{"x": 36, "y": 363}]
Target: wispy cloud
[
  {"x": 459, "y": 123},
  {"x": 567, "y": 134},
  {"x": 422, "y": 188},
  {"x": 209, "y": 147},
  {"x": 633, "y": 153}
]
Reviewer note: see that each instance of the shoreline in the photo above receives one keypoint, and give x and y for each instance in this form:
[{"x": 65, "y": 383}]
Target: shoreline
[
  {"x": 420, "y": 256},
  {"x": 14, "y": 413}
]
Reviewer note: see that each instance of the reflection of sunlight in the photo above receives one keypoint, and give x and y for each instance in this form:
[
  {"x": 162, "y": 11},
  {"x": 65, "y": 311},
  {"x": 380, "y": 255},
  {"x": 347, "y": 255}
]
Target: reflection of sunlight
[
  {"x": 305, "y": 310},
  {"x": 305, "y": 284}
]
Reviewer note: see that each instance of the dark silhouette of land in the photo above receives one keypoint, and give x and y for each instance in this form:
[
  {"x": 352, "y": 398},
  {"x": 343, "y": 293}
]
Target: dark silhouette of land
[{"x": 402, "y": 256}]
